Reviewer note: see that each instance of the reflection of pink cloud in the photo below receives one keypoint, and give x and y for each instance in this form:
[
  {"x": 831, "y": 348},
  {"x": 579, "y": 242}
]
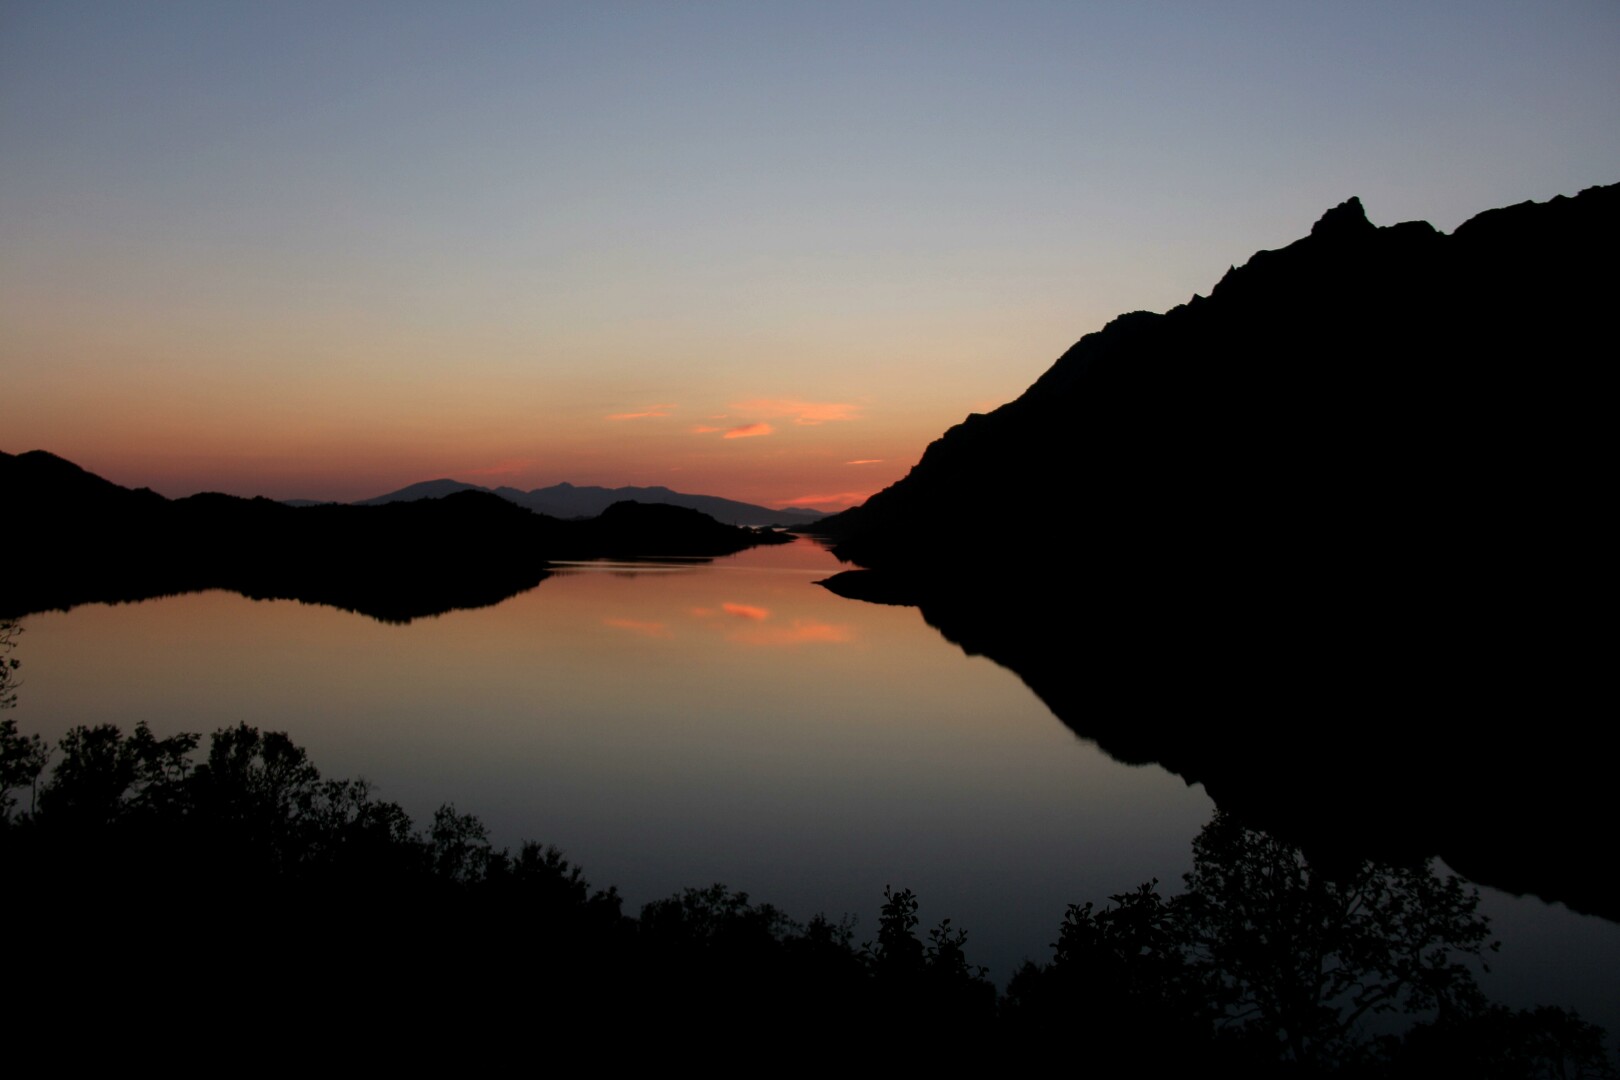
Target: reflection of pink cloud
[
  {"x": 866, "y": 461},
  {"x": 704, "y": 612},
  {"x": 704, "y": 429},
  {"x": 746, "y": 611},
  {"x": 800, "y": 632},
  {"x": 650, "y": 410},
  {"x": 802, "y": 412},
  {"x": 748, "y": 431},
  {"x": 841, "y": 498},
  {"x": 639, "y": 626}
]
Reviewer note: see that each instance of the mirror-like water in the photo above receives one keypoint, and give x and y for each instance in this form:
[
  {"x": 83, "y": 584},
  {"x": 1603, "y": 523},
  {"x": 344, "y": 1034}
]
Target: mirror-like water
[{"x": 672, "y": 725}]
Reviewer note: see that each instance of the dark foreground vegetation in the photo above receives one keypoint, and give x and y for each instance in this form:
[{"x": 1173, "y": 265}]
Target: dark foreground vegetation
[{"x": 234, "y": 900}]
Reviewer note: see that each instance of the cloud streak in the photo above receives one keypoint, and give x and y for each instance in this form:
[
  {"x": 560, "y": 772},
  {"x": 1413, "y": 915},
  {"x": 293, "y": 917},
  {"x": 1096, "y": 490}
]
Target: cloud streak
[
  {"x": 748, "y": 431},
  {"x": 838, "y": 498},
  {"x": 646, "y": 413},
  {"x": 800, "y": 412}
]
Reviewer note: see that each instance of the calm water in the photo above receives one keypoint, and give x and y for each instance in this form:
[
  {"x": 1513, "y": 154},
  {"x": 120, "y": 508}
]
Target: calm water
[{"x": 676, "y": 725}]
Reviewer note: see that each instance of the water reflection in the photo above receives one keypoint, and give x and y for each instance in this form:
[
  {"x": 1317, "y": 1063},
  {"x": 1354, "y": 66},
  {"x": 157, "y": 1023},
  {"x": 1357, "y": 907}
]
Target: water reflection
[
  {"x": 671, "y": 725},
  {"x": 666, "y": 725}
]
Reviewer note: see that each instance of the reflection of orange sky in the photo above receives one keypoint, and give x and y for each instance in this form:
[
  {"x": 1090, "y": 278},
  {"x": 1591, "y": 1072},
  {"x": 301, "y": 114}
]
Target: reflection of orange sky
[
  {"x": 796, "y": 632},
  {"x": 758, "y": 629},
  {"x": 644, "y": 627}
]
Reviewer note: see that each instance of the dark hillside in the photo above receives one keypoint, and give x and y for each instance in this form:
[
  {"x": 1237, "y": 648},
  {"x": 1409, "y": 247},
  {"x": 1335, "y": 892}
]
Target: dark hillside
[
  {"x": 77, "y": 539},
  {"x": 1365, "y": 402},
  {"x": 1329, "y": 540}
]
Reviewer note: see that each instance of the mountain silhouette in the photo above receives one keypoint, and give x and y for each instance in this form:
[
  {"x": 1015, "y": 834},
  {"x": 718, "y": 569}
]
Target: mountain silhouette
[
  {"x": 1364, "y": 401},
  {"x": 77, "y": 538},
  {"x": 1329, "y": 540},
  {"x": 567, "y": 501}
]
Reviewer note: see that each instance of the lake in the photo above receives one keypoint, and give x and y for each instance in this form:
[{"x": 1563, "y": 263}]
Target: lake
[{"x": 678, "y": 724}]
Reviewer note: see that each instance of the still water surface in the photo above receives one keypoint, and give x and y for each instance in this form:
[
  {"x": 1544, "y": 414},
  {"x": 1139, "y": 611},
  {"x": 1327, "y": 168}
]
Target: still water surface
[{"x": 672, "y": 725}]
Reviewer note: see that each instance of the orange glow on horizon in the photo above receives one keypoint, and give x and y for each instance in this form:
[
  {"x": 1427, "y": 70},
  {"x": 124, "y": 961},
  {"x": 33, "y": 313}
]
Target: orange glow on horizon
[{"x": 841, "y": 498}]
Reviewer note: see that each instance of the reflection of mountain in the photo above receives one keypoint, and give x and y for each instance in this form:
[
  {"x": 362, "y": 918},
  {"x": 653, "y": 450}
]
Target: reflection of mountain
[
  {"x": 1330, "y": 540},
  {"x": 1291, "y": 740},
  {"x": 568, "y": 501},
  {"x": 77, "y": 538}
]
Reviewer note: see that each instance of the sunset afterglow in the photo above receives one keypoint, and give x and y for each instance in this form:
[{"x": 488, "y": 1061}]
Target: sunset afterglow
[{"x": 763, "y": 252}]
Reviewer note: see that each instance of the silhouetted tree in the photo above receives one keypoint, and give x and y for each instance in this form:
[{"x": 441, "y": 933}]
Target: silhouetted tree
[
  {"x": 1290, "y": 954},
  {"x": 239, "y": 875},
  {"x": 1119, "y": 982},
  {"x": 898, "y": 953},
  {"x": 1269, "y": 963},
  {"x": 9, "y": 630},
  {"x": 932, "y": 983},
  {"x": 22, "y": 757}
]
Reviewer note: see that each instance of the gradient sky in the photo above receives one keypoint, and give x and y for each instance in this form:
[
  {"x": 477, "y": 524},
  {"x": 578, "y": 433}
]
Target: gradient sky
[{"x": 759, "y": 250}]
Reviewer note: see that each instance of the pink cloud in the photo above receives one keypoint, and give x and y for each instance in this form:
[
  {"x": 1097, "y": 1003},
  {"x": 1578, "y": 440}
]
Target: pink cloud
[
  {"x": 748, "y": 431},
  {"x": 746, "y": 611},
  {"x": 801, "y": 412},
  {"x": 704, "y": 429},
  {"x": 866, "y": 461},
  {"x": 841, "y": 498},
  {"x": 649, "y": 411}
]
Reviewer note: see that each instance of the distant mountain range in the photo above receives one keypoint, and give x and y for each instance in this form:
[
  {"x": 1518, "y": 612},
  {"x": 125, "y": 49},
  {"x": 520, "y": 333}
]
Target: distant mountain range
[
  {"x": 567, "y": 501},
  {"x": 74, "y": 537}
]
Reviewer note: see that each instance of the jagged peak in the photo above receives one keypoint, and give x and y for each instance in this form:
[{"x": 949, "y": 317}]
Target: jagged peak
[{"x": 1346, "y": 219}]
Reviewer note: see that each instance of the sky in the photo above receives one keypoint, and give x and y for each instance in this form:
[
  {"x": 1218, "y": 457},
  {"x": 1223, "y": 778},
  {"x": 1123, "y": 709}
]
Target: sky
[{"x": 760, "y": 250}]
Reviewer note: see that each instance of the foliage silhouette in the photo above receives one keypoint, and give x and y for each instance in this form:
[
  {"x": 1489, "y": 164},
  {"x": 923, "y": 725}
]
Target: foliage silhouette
[
  {"x": 245, "y": 885},
  {"x": 22, "y": 757},
  {"x": 1268, "y": 962},
  {"x": 9, "y": 629},
  {"x": 1294, "y": 955}
]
